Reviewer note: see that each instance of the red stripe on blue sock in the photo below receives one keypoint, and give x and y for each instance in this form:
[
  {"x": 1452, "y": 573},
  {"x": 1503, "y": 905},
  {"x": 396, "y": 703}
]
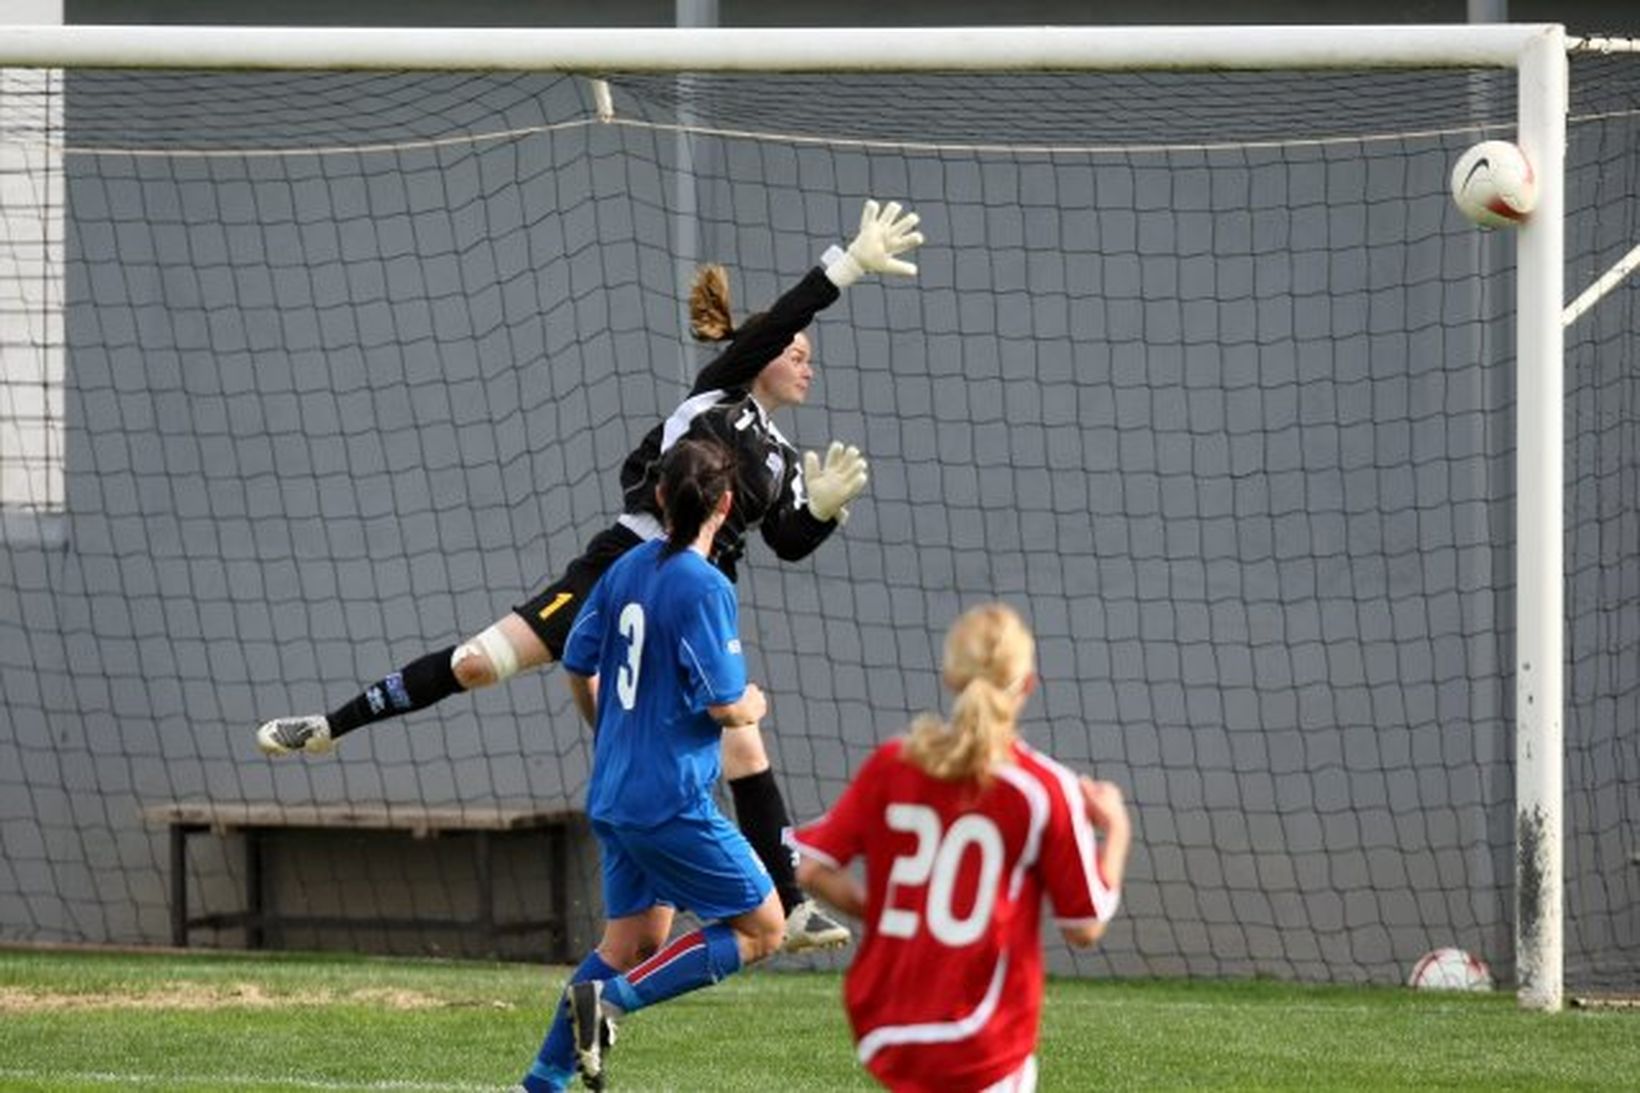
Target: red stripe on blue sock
[{"x": 683, "y": 946}]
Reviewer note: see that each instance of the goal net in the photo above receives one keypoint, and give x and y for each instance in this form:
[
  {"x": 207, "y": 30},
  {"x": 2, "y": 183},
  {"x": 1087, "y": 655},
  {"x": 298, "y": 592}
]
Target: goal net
[{"x": 1202, "y": 371}]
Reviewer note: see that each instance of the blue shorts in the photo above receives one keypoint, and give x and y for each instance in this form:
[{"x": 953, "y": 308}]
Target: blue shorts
[{"x": 699, "y": 863}]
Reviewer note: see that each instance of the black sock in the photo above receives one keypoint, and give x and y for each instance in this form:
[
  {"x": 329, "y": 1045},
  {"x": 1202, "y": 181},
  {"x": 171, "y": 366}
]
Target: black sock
[
  {"x": 420, "y": 683},
  {"x": 761, "y": 813}
]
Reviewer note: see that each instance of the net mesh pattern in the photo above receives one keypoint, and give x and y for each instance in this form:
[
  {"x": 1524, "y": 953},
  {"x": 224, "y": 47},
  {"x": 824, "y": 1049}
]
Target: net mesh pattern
[{"x": 1203, "y": 372}]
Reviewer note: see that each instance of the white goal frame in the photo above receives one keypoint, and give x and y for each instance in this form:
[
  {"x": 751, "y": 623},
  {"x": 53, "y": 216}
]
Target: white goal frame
[{"x": 1538, "y": 52}]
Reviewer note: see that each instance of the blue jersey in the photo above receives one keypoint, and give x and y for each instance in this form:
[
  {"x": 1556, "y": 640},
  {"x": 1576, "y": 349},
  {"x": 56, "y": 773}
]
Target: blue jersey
[{"x": 661, "y": 633}]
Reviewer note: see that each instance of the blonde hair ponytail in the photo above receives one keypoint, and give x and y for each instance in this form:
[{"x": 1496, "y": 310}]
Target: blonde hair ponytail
[{"x": 989, "y": 658}]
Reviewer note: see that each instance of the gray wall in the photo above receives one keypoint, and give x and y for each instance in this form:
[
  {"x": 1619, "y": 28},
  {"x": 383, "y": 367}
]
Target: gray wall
[{"x": 1232, "y": 428}]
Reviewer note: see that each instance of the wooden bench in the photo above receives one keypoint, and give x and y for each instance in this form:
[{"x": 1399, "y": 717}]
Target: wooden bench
[{"x": 253, "y": 820}]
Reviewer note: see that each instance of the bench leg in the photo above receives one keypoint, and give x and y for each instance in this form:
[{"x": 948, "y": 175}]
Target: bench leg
[
  {"x": 484, "y": 863},
  {"x": 179, "y": 886},
  {"x": 558, "y": 876},
  {"x": 253, "y": 888}
]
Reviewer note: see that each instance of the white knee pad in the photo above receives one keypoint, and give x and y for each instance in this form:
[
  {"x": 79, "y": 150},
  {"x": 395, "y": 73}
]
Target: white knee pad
[{"x": 493, "y": 645}]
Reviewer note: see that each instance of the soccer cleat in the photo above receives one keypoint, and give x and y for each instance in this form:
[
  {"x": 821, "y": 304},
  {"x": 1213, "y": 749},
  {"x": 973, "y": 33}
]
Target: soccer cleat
[
  {"x": 284, "y": 735},
  {"x": 594, "y": 1031},
  {"x": 809, "y": 927}
]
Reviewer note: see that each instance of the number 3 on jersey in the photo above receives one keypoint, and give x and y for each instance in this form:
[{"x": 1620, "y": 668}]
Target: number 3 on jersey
[
  {"x": 626, "y": 680},
  {"x": 935, "y": 862}
]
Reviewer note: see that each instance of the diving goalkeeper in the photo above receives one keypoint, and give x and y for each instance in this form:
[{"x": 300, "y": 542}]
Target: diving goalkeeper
[{"x": 795, "y": 502}]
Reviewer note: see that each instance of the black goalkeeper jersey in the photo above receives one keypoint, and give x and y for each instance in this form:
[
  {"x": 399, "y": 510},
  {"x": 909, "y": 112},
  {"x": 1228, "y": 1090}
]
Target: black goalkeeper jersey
[{"x": 768, "y": 488}]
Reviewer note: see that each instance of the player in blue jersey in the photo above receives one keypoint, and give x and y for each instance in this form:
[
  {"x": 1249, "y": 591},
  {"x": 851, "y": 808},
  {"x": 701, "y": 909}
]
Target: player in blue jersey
[{"x": 655, "y": 665}]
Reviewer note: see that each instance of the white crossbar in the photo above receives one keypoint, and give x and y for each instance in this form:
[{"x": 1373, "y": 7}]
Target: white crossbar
[{"x": 795, "y": 49}]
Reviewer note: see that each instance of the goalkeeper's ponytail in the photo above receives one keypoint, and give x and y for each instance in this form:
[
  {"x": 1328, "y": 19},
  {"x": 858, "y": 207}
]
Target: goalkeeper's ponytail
[
  {"x": 710, "y": 316},
  {"x": 990, "y": 658}
]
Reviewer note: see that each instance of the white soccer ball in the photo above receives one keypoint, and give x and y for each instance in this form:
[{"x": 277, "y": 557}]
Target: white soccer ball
[
  {"x": 1494, "y": 185},
  {"x": 1450, "y": 970}
]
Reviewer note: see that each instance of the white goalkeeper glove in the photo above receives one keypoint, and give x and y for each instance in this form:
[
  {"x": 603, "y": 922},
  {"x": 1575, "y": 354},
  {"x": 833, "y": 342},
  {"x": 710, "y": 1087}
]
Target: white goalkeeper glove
[
  {"x": 833, "y": 485},
  {"x": 884, "y": 235}
]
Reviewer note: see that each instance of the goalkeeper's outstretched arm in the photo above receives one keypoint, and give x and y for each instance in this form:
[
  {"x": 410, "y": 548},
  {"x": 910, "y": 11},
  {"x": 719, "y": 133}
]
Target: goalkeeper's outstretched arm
[{"x": 886, "y": 233}]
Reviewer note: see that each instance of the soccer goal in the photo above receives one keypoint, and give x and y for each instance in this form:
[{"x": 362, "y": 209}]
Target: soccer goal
[{"x": 321, "y": 349}]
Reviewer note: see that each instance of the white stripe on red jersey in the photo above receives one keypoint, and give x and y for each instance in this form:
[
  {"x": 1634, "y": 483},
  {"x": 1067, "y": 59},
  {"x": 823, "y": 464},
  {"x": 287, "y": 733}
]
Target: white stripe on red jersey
[
  {"x": 1105, "y": 898},
  {"x": 938, "y": 1032},
  {"x": 1038, "y": 800}
]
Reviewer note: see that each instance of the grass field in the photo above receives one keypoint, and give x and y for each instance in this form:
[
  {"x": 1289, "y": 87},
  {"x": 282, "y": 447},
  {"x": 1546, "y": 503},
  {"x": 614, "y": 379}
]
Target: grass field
[{"x": 85, "y": 1020}]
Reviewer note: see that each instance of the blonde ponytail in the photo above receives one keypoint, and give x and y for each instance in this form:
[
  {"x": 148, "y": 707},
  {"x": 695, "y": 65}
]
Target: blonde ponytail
[{"x": 989, "y": 658}]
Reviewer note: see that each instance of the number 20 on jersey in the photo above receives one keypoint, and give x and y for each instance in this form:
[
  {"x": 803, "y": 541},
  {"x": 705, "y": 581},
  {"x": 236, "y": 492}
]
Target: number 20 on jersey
[{"x": 935, "y": 863}]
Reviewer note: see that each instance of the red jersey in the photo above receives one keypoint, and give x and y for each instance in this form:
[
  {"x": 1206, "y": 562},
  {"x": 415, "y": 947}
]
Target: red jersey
[{"x": 945, "y": 992}]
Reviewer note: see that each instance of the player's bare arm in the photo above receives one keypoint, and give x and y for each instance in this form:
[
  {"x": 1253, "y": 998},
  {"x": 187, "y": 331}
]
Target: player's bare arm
[
  {"x": 836, "y": 886},
  {"x": 584, "y": 689},
  {"x": 1108, "y": 813},
  {"x": 1109, "y": 816},
  {"x": 750, "y": 708}
]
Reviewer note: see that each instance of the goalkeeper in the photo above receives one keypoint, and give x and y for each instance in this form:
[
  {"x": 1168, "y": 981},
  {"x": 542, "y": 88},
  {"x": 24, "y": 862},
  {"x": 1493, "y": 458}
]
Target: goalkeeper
[{"x": 795, "y": 504}]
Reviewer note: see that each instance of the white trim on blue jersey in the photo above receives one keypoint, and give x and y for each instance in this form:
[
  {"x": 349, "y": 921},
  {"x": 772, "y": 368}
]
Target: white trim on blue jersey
[{"x": 700, "y": 667}]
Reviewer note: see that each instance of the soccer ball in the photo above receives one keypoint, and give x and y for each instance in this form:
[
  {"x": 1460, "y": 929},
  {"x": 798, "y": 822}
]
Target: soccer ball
[
  {"x": 1494, "y": 185},
  {"x": 1450, "y": 970}
]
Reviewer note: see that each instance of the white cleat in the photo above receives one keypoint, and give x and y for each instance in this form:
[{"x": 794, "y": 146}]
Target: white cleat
[
  {"x": 808, "y": 928},
  {"x": 593, "y": 1028},
  {"x": 284, "y": 735}
]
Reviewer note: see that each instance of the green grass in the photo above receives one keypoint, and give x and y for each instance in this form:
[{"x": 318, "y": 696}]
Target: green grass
[{"x": 88, "y": 1020}]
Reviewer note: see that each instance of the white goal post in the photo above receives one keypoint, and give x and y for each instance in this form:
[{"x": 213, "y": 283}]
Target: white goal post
[{"x": 1537, "y": 52}]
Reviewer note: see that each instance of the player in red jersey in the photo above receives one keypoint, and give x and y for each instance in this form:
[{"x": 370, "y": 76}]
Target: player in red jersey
[{"x": 964, "y": 827}]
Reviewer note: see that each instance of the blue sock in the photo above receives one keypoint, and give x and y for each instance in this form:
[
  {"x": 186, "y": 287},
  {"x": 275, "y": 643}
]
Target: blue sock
[
  {"x": 554, "y": 1065},
  {"x": 692, "y": 961}
]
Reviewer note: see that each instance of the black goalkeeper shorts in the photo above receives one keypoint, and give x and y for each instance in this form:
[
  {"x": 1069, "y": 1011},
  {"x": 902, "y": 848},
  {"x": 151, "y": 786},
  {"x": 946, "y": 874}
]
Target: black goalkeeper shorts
[{"x": 551, "y": 612}]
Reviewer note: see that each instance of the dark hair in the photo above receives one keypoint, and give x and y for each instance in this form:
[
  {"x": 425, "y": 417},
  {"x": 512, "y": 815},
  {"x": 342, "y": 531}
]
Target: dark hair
[
  {"x": 710, "y": 317},
  {"x": 695, "y": 474}
]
